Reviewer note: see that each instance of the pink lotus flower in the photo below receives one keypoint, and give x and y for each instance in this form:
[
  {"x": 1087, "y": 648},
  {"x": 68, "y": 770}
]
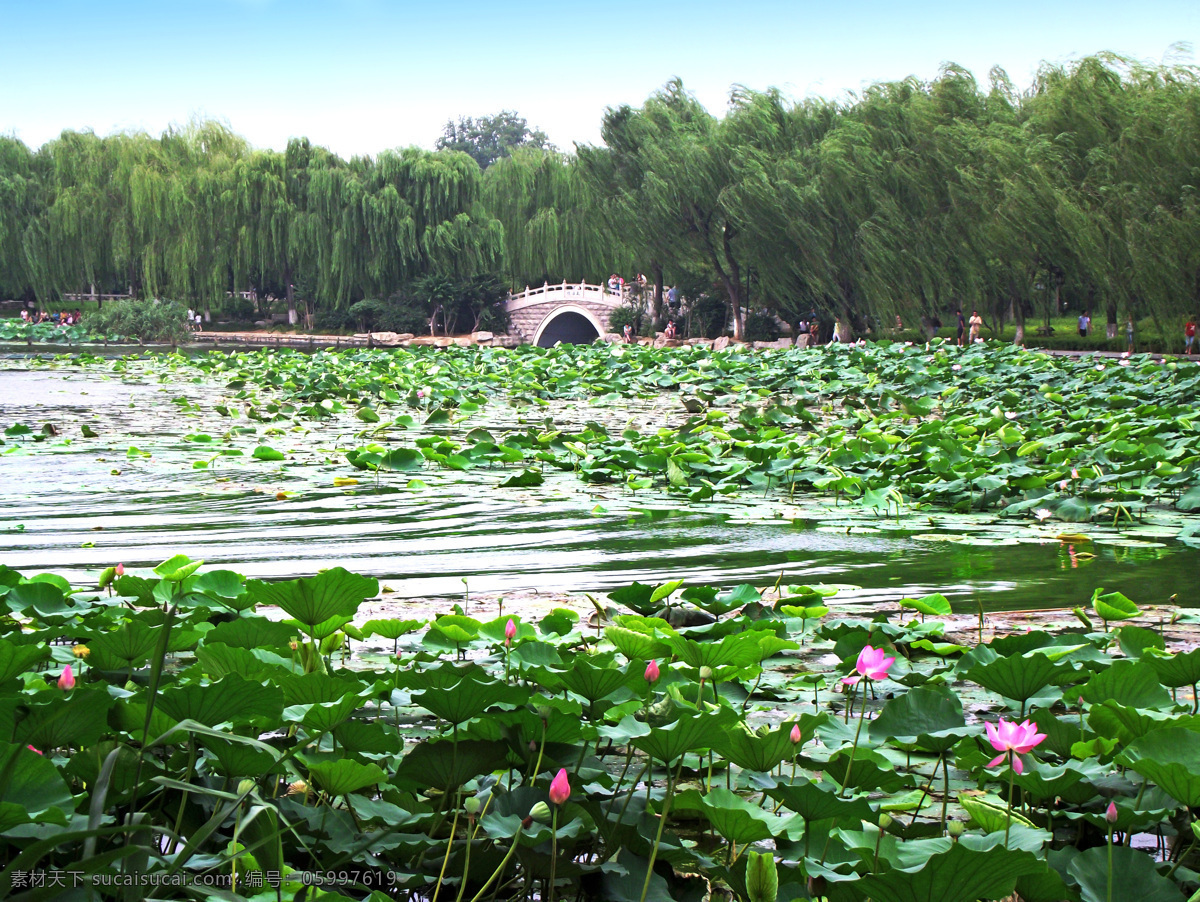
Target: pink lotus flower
[
  {"x": 120, "y": 569},
  {"x": 1012, "y": 739},
  {"x": 560, "y": 787},
  {"x": 795, "y": 737},
  {"x": 652, "y": 673},
  {"x": 851, "y": 680},
  {"x": 873, "y": 663},
  {"x": 67, "y": 680}
]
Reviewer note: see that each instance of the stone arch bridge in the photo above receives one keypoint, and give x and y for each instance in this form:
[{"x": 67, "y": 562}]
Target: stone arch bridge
[{"x": 576, "y": 313}]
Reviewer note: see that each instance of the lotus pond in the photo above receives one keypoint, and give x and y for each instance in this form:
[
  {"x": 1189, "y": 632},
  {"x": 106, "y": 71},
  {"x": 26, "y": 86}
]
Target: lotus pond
[
  {"x": 785, "y": 684},
  {"x": 890, "y": 468}
]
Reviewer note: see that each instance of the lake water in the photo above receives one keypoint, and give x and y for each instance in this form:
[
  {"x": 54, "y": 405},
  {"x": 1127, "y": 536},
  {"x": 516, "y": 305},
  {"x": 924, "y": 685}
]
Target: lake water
[{"x": 75, "y": 505}]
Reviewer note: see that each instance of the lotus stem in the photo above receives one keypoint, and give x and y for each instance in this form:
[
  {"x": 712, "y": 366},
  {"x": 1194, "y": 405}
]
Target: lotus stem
[
  {"x": 854, "y": 747},
  {"x": 499, "y": 868},
  {"x": 453, "y": 831},
  {"x": 554, "y": 851},
  {"x": 1012, "y": 777},
  {"x": 662, "y": 821}
]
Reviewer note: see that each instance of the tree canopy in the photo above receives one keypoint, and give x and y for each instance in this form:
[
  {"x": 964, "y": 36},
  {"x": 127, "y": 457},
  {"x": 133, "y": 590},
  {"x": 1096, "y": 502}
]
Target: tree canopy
[{"x": 911, "y": 200}]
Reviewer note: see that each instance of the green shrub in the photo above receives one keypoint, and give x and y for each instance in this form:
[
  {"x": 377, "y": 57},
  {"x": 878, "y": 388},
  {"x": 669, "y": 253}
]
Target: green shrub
[
  {"x": 145, "y": 320},
  {"x": 623, "y": 316},
  {"x": 333, "y": 321},
  {"x": 761, "y": 327},
  {"x": 707, "y": 315}
]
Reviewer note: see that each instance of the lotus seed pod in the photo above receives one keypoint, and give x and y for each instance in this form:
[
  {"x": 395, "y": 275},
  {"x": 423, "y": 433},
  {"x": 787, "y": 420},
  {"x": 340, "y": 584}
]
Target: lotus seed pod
[
  {"x": 706, "y": 673},
  {"x": 885, "y": 820},
  {"x": 245, "y": 787},
  {"x": 956, "y": 828},
  {"x": 540, "y": 813},
  {"x": 472, "y": 806}
]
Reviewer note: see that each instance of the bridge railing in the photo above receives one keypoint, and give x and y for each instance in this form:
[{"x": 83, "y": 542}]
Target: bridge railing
[{"x": 580, "y": 289}]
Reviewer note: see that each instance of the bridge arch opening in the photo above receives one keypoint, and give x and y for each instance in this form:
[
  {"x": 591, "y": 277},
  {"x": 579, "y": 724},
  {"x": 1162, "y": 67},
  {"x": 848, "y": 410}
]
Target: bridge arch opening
[{"x": 570, "y": 325}]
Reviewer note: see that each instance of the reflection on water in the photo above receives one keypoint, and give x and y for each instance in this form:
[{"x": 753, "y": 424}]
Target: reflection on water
[{"x": 76, "y": 508}]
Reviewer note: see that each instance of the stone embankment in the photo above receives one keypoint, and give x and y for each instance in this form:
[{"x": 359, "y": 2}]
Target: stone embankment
[{"x": 485, "y": 339}]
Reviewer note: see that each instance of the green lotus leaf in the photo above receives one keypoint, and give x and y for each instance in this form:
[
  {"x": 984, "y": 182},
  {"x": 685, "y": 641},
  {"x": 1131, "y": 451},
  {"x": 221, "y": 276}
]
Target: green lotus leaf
[
  {"x": 1171, "y": 759},
  {"x": 935, "y": 605},
  {"x": 16, "y": 659},
  {"x": 469, "y": 698},
  {"x": 334, "y": 593},
  {"x": 1113, "y": 606},
  {"x": 730, "y": 815},
  {"x": 339, "y": 778},
  {"x": 1134, "y": 876},
  {"x": 266, "y": 452},
  {"x": 634, "y": 645},
  {"x": 930, "y": 719},
  {"x": 814, "y": 801},
  {"x": 960, "y": 874},
  {"x": 231, "y": 699},
  {"x": 58, "y": 720},
  {"x": 1130, "y": 683},
  {"x": 689, "y": 733},
  {"x": 178, "y": 568},
  {"x": 33, "y": 790},
  {"x": 1018, "y": 677}
]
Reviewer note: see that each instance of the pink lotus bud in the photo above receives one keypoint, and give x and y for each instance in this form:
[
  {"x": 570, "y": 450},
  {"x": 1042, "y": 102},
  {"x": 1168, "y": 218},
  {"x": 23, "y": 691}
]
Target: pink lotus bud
[
  {"x": 652, "y": 672},
  {"x": 510, "y": 630},
  {"x": 67, "y": 680},
  {"x": 1110, "y": 813},
  {"x": 560, "y": 787},
  {"x": 120, "y": 569},
  {"x": 795, "y": 734},
  {"x": 32, "y": 749},
  {"x": 1074, "y": 473}
]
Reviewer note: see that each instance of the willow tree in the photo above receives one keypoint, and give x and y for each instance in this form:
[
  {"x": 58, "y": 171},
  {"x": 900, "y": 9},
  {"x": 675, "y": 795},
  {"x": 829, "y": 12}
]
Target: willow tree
[
  {"x": 21, "y": 215},
  {"x": 662, "y": 177},
  {"x": 554, "y": 228}
]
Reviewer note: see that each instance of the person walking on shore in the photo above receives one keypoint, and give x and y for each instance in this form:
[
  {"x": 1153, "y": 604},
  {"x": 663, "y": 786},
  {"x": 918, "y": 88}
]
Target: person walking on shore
[
  {"x": 976, "y": 323},
  {"x": 1189, "y": 336},
  {"x": 1129, "y": 333}
]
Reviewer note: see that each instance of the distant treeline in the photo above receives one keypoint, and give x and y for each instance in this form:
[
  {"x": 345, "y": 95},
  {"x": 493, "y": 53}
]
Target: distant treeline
[{"x": 911, "y": 200}]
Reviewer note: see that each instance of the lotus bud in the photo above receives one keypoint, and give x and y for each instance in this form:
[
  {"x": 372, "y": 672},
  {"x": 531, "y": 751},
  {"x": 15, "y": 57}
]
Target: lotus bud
[
  {"x": 67, "y": 680},
  {"x": 956, "y": 829},
  {"x": 543, "y": 711},
  {"x": 107, "y": 575},
  {"x": 532, "y": 745},
  {"x": 652, "y": 672},
  {"x": 885, "y": 820},
  {"x": 245, "y": 787},
  {"x": 540, "y": 813},
  {"x": 796, "y": 736},
  {"x": 472, "y": 806},
  {"x": 510, "y": 631},
  {"x": 560, "y": 787},
  {"x": 120, "y": 568},
  {"x": 1110, "y": 813},
  {"x": 706, "y": 673}
]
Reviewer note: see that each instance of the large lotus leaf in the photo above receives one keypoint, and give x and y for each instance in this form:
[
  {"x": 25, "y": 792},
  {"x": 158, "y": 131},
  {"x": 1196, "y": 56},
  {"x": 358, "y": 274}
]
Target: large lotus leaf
[
  {"x": 251, "y": 632},
  {"x": 392, "y": 628},
  {"x": 935, "y": 605},
  {"x": 635, "y": 645},
  {"x": 334, "y": 593},
  {"x": 16, "y": 659},
  {"x": 1061, "y": 732},
  {"x": 1134, "y": 876},
  {"x": 1134, "y": 640},
  {"x": 128, "y": 645},
  {"x": 1171, "y": 759},
  {"x": 752, "y": 750},
  {"x": 594, "y": 682},
  {"x": 446, "y": 765},
  {"x": 635, "y": 597},
  {"x": 1113, "y": 606},
  {"x": 318, "y": 689},
  {"x": 958, "y": 875},
  {"x": 992, "y": 815},
  {"x": 737, "y": 650},
  {"x": 931, "y": 719},
  {"x": 1176, "y": 670},
  {"x": 402, "y": 459},
  {"x": 222, "y": 586},
  {"x": 689, "y": 733},
  {"x": 371, "y": 737},
  {"x": 231, "y": 699},
  {"x": 77, "y": 719},
  {"x": 731, "y": 815},
  {"x": 238, "y": 759},
  {"x": 1130, "y": 683},
  {"x": 1019, "y": 677},
  {"x": 339, "y": 778},
  {"x": 218, "y": 659},
  {"x": 1125, "y": 724},
  {"x": 814, "y": 802},
  {"x": 39, "y": 600},
  {"x": 469, "y": 698},
  {"x": 32, "y": 789},
  {"x": 178, "y": 568}
]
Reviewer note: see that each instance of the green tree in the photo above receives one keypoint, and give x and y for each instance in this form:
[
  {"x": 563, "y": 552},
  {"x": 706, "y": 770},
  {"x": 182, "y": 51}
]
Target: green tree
[{"x": 490, "y": 138}]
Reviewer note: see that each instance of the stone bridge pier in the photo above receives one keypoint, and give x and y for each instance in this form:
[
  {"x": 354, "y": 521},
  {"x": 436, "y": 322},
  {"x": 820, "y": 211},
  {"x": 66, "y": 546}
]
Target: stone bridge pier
[{"x": 575, "y": 313}]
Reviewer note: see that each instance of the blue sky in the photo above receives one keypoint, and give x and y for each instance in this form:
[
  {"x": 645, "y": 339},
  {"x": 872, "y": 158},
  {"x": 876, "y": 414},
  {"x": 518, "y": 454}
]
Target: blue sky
[{"x": 360, "y": 76}]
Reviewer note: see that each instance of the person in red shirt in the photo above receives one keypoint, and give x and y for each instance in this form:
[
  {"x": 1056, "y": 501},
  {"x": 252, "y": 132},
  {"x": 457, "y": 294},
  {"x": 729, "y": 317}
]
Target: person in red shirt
[{"x": 1189, "y": 336}]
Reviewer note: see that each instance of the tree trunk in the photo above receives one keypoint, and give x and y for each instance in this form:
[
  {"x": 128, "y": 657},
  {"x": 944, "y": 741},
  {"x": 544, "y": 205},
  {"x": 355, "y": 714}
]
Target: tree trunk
[
  {"x": 656, "y": 306},
  {"x": 1018, "y": 312},
  {"x": 1110, "y": 317},
  {"x": 291, "y": 295}
]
